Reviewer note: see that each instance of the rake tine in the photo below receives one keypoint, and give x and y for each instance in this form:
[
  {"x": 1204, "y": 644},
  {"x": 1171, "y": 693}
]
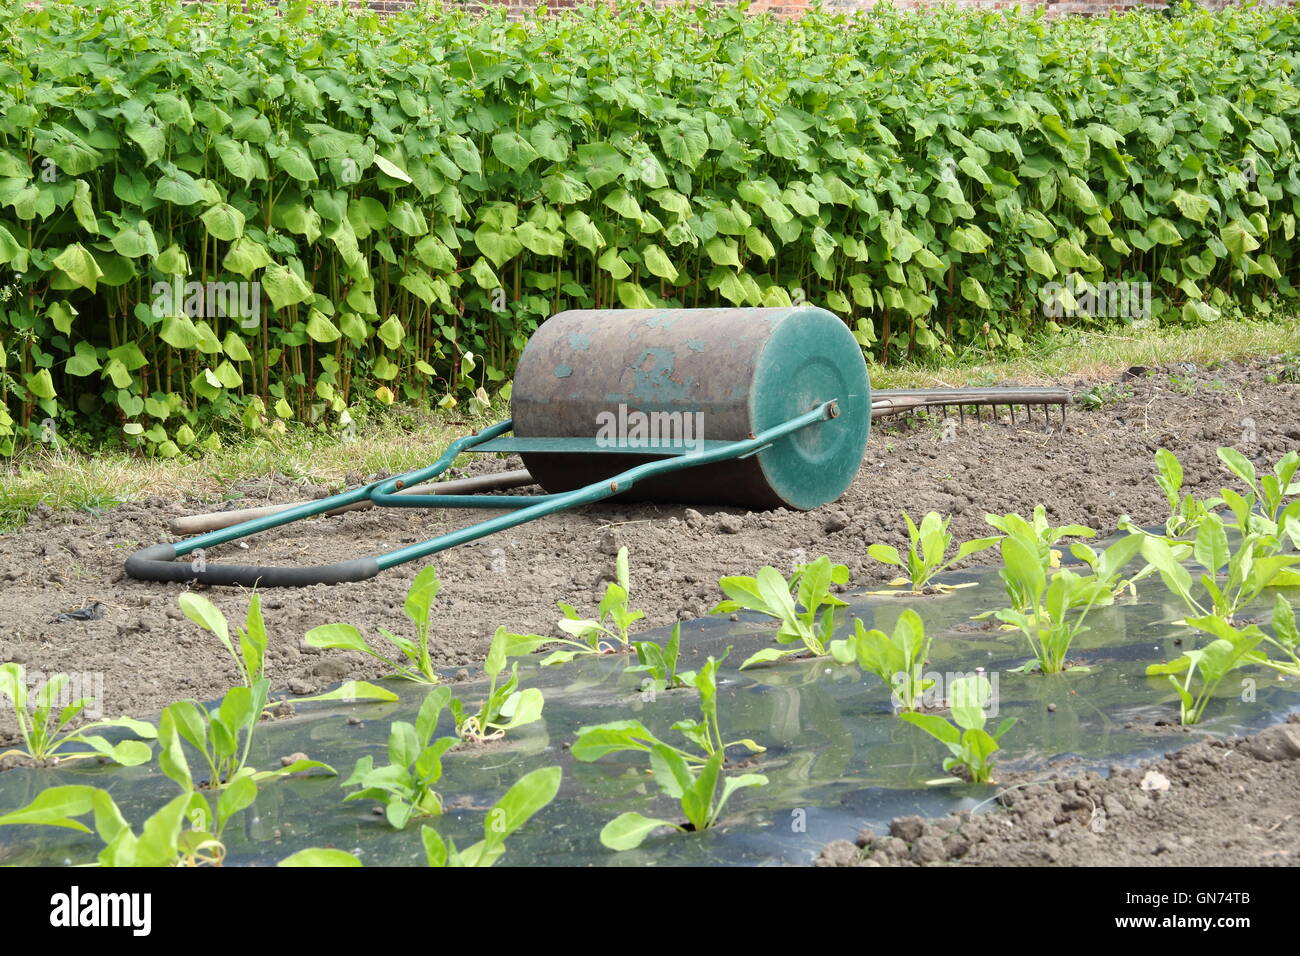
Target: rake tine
[{"x": 1011, "y": 410}]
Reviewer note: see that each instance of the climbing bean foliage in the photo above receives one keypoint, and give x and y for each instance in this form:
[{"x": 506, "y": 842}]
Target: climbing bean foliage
[{"x": 241, "y": 214}]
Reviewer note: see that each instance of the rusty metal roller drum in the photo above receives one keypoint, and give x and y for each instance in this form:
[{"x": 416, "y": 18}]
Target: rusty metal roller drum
[{"x": 647, "y": 383}]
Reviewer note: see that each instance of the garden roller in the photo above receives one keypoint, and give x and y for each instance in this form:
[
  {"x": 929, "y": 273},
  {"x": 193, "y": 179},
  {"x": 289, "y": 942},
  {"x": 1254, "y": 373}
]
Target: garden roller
[{"x": 755, "y": 408}]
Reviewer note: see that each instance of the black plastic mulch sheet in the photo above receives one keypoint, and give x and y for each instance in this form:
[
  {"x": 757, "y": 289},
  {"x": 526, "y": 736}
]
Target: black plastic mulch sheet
[{"x": 837, "y": 759}]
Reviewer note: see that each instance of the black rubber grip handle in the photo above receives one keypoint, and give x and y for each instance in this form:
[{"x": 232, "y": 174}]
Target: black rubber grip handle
[{"x": 158, "y": 563}]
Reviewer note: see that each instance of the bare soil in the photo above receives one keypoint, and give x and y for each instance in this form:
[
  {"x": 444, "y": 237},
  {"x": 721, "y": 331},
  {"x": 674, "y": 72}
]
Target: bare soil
[
  {"x": 1093, "y": 470},
  {"x": 1223, "y": 802}
]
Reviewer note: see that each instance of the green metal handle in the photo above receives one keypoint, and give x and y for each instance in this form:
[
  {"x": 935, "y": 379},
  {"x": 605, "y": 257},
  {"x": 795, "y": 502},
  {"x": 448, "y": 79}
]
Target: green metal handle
[{"x": 157, "y": 562}]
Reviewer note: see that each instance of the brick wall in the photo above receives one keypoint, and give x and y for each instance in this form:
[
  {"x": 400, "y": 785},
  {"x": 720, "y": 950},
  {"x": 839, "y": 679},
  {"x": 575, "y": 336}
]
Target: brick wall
[{"x": 794, "y": 8}]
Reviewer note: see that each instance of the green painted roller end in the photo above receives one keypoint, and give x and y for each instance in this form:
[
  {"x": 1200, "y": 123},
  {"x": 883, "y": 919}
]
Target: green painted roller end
[{"x": 811, "y": 357}]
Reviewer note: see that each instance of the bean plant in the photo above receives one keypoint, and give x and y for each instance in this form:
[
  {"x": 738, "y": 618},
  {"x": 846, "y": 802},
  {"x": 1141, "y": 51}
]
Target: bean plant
[
  {"x": 769, "y": 593},
  {"x": 383, "y": 181},
  {"x": 927, "y": 552},
  {"x": 44, "y": 725}
]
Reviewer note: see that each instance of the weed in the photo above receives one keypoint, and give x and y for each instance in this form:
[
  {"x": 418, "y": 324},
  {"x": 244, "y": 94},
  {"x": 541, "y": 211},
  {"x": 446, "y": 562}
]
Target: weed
[{"x": 1103, "y": 396}]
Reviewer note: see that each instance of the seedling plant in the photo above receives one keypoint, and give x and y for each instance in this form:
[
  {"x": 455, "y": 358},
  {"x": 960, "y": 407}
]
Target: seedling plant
[
  {"x": 1040, "y": 539},
  {"x": 692, "y": 775},
  {"x": 768, "y": 592},
  {"x": 419, "y": 667},
  {"x": 164, "y": 839},
  {"x": 506, "y": 706},
  {"x": 531, "y": 793},
  {"x": 222, "y": 737},
  {"x": 927, "y": 553},
  {"x": 658, "y": 664},
  {"x": 1198, "y": 673},
  {"x": 898, "y": 660},
  {"x": 969, "y": 743},
  {"x": 1045, "y": 617},
  {"x": 250, "y": 658},
  {"x": 405, "y": 785},
  {"x": 43, "y": 724},
  {"x": 1248, "y": 573},
  {"x": 609, "y": 630}
]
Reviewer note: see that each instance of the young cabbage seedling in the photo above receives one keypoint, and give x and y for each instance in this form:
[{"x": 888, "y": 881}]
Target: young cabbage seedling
[
  {"x": 693, "y": 777},
  {"x": 505, "y": 707},
  {"x": 419, "y": 601},
  {"x": 659, "y": 664},
  {"x": 608, "y": 631},
  {"x": 926, "y": 552},
  {"x": 44, "y": 730},
  {"x": 1231, "y": 649},
  {"x": 1044, "y": 618},
  {"x": 965, "y": 737},
  {"x": 898, "y": 660},
  {"x": 164, "y": 840},
  {"x": 521, "y": 802},
  {"x": 405, "y": 785},
  {"x": 769, "y": 593}
]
